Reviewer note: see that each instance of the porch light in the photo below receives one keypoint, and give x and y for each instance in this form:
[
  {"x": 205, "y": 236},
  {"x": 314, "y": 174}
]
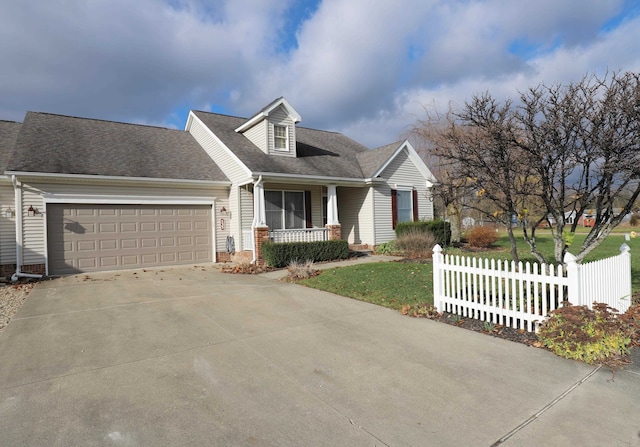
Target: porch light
[
  {"x": 31, "y": 211},
  {"x": 8, "y": 213}
]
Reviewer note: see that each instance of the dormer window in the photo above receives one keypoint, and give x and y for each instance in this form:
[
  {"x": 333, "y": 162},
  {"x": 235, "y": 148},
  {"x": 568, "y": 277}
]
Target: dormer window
[{"x": 281, "y": 138}]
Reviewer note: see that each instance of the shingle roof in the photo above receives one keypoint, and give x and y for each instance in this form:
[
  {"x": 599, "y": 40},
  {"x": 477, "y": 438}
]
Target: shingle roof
[
  {"x": 67, "y": 145},
  {"x": 8, "y": 134},
  {"x": 319, "y": 153},
  {"x": 372, "y": 160}
]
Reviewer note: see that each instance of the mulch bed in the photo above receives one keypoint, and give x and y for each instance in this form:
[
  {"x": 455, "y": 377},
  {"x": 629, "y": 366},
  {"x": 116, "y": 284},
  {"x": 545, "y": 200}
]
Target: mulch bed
[{"x": 499, "y": 331}]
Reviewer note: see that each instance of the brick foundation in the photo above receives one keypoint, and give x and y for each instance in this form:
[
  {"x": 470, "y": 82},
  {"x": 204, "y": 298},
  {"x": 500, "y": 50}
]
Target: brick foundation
[
  {"x": 335, "y": 232},
  {"x": 223, "y": 256},
  {"x": 261, "y": 236},
  {"x": 361, "y": 247},
  {"x": 240, "y": 257},
  {"x": 38, "y": 269},
  {"x": 6, "y": 270}
]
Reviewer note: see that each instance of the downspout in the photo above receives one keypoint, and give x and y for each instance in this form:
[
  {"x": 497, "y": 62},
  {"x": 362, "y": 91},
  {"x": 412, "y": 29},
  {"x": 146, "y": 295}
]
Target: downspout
[
  {"x": 255, "y": 222},
  {"x": 19, "y": 239}
]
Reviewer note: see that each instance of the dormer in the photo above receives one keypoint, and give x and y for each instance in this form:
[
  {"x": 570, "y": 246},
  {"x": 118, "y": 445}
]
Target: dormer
[{"x": 273, "y": 129}]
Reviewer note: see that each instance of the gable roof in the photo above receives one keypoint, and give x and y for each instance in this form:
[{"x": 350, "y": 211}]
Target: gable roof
[
  {"x": 60, "y": 144},
  {"x": 319, "y": 153},
  {"x": 8, "y": 134},
  {"x": 267, "y": 110},
  {"x": 371, "y": 161}
]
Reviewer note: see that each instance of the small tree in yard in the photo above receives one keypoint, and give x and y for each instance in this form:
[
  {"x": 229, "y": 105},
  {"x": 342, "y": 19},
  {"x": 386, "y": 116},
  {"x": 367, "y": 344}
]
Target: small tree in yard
[
  {"x": 477, "y": 148},
  {"x": 563, "y": 149}
]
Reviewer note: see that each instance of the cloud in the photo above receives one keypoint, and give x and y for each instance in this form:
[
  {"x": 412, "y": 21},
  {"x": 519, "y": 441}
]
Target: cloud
[{"x": 366, "y": 69}]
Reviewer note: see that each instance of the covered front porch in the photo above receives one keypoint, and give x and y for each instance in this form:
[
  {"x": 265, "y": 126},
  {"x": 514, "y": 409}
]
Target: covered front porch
[{"x": 292, "y": 213}]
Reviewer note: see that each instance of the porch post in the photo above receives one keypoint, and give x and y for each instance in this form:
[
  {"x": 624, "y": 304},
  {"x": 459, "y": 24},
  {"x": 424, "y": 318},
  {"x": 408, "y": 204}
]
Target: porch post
[
  {"x": 259, "y": 214},
  {"x": 333, "y": 224},
  {"x": 332, "y": 205},
  {"x": 259, "y": 224}
]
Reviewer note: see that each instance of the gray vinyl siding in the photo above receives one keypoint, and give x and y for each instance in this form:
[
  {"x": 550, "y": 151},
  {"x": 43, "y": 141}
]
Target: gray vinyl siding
[
  {"x": 246, "y": 213},
  {"x": 280, "y": 117},
  {"x": 34, "y": 228},
  {"x": 401, "y": 171},
  {"x": 258, "y": 135},
  {"x": 383, "y": 221},
  {"x": 231, "y": 167},
  {"x": 355, "y": 213},
  {"x": 246, "y": 207},
  {"x": 7, "y": 225}
]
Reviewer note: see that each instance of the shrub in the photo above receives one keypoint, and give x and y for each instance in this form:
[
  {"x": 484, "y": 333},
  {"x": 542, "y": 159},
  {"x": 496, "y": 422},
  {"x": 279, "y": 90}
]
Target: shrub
[
  {"x": 281, "y": 254},
  {"x": 440, "y": 229},
  {"x": 482, "y": 237},
  {"x": 301, "y": 270},
  {"x": 416, "y": 243},
  {"x": 387, "y": 248},
  {"x": 592, "y": 336},
  {"x": 633, "y": 221}
]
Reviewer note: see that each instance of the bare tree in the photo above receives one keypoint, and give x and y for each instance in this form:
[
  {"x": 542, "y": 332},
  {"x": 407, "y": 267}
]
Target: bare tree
[
  {"x": 562, "y": 150},
  {"x": 583, "y": 140},
  {"x": 454, "y": 187}
]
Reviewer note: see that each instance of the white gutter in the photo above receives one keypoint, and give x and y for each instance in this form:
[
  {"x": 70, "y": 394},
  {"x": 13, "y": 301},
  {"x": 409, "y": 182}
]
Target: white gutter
[
  {"x": 47, "y": 175},
  {"x": 19, "y": 239},
  {"x": 311, "y": 179}
]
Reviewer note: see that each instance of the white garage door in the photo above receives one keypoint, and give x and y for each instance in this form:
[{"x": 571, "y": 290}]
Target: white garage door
[{"x": 85, "y": 238}]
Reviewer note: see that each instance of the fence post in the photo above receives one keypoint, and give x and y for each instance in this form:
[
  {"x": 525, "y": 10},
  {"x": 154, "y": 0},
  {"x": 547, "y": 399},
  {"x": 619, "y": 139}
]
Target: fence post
[
  {"x": 625, "y": 252},
  {"x": 437, "y": 283},
  {"x": 574, "y": 283}
]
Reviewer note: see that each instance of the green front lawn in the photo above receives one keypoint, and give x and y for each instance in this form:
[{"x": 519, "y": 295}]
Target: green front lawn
[
  {"x": 388, "y": 284},
  {"x": 394, "y": 284}
]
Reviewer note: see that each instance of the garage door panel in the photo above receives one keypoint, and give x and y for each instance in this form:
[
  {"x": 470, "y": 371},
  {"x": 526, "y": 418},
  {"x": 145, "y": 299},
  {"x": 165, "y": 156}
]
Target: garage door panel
[
  {"x": 110, "y": 244},
  {"x": 109, "y": 262},
  {"x": 167, "y": 242},
  {"x": 86, "y": 263},
  {"x": 167, "y": 226},
  {"x": 148, "y": 227},
  {"x": 129, "y": 227},
  {"x": 185, "y": 241},
  {"x": 110, "y": 237},
  {"x": 130, "y": 261},
  {"x": 129, "y": 243},
  {"x": 109, "y": 227}
]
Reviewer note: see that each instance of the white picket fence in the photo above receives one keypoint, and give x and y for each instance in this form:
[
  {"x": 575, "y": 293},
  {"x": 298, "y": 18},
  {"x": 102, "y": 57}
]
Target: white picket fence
[{"x": 522, "y": 295}]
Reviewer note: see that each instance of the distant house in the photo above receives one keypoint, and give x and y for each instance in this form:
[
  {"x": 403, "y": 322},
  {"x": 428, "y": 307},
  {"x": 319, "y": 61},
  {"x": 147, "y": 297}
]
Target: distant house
[{"x": 81, "y": 195}]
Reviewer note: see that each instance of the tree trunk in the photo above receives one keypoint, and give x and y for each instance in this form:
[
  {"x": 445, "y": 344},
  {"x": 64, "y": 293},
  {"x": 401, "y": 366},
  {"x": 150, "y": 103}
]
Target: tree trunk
[
  {"x": 514, "y": 246},
  {"x": 456, "y": 223}
]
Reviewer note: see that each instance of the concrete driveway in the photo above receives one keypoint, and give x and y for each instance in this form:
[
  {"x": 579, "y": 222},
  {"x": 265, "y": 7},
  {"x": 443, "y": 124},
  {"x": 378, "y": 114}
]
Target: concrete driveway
[{"x": 191, "y": 356}]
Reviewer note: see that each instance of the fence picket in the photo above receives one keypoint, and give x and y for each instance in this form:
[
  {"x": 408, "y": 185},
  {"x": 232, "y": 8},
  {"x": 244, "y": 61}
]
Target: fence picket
[{"x": 522, "y": 295}]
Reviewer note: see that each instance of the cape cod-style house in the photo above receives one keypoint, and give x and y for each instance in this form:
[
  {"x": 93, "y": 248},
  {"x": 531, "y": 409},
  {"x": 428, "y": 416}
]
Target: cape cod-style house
[{"x": 79, "y": 195}]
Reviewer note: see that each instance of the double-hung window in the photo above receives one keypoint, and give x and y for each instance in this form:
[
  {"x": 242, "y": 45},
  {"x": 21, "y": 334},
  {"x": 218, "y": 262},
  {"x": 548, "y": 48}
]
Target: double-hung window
[
  {"x": 404, "y": 205},
  {"x": 285, "y": 209},
  {"x": 405, "y": 202},
  {"x": 280, "y": 138}
]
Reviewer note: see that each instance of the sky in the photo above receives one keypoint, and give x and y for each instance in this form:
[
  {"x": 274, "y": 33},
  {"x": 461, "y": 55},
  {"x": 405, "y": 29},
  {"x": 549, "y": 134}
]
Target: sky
[{"x": 366, "y": 69}]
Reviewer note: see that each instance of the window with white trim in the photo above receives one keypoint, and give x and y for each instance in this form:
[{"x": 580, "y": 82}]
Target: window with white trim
[
  {"x": 405, "y": 206},
  {"x": 285, "y": 209},
  {"x": 280, "y": 138}
]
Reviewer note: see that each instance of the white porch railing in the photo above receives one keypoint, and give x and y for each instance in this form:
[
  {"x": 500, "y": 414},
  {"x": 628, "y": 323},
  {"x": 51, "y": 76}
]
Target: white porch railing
[
  {"x": 300, "y": 235},
  {"x": 522, "y": 295}
]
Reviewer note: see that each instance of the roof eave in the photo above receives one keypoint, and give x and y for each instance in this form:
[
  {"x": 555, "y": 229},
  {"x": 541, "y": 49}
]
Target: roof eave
[
  {"x": 310, "y": 179},
  {"x": 115, "y": 178}
]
